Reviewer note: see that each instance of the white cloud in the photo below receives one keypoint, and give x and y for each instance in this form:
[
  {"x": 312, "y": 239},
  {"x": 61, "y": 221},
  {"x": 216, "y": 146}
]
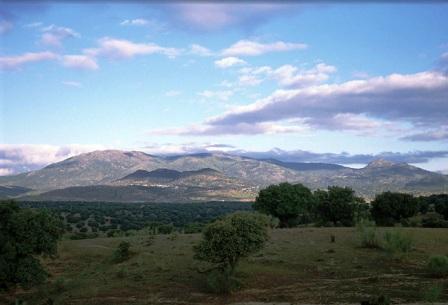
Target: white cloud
[
  {"x": 72, "y": 84},
  {"x": 54, "y": 35},
  {"x": 137, "y": 22},
  {"x": 291, "y": 76},
  {"x": 121, "y": 48},
  {"x": 197, "y": 49},
  {"x": 374, "y": 106},
  {"x": 439, "y": 134},
  {"x": 18, "y": 158},
  {"x": 12, "y": 62},
  {"x": 253, "y": 48},
  {"x": 185, "y": 148},
  {"x": 79, "y": 62},
  {"x": 286, "y": 75},
  {"x": 6, "y": 171},
  {"x": 236, "y": 129},
  {"x": 228, "y": 62}
]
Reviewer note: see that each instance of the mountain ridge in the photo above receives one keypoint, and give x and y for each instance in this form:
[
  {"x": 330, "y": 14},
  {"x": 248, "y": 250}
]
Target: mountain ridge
[{"x": 240, "y": 177}]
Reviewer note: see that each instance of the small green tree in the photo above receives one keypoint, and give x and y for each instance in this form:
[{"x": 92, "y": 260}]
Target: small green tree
[
  {"x": 122, "y": 253},
  {"x": 226, "y": 241},
  {"x": 290, "y": 203},
  {"x": 25, "y": 235},
  {"x": 338, "y": 205},
  {"x": 389, "y": 208}
]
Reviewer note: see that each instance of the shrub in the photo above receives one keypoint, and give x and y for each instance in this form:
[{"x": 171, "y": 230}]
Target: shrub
[
  {"x": 166, "y": 229},
  {"x": 227, "y": 240},
  {"x": 397, "y": 244},
  {"x": 25, "y": 236},
  {"x": 222, "y": 281},
  {"x": 367, "y": 234},
  {"x": 438, "y": 265},
  {"x": 434, "y": 220},
  {"x": 338, "y": 206},
  {"x": 390, "y": 208},
  {"x": 432, "y": 293},
  {"x": 60, "y": 284},
  {"x": 290, "y": 203},
  {"x": 122, "y": 253}
]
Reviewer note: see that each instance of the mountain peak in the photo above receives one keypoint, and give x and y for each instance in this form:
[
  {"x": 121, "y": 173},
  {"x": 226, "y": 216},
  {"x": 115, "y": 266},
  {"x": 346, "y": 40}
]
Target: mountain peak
[{"x": 380, "y": 163}]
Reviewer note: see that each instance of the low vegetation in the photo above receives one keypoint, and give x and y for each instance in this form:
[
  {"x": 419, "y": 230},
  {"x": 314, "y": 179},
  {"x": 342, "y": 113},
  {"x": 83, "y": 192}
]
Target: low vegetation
[
  {"x": 228, "y": 240},
  {"x": 25, "y": 236},
  {"x": 438, "y": 265},
  {"x": 233, "y": 253}
]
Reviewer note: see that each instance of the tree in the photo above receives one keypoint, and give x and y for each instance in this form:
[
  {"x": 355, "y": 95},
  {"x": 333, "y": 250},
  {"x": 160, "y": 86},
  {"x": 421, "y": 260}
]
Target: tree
[
  {"x": 25, "y": 235},
  {"x": 226, "y": 241},
  {"x": 338, "y": 205},
  {"x": 389, "y": 208},
  {"x": 290, "y": 203}
]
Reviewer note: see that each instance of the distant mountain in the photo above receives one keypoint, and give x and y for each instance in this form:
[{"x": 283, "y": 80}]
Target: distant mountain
[
  {"x": 12, "y": 191},
  {"x": 304, "y": 166},
  {"x": 135, "y": 176},
  {"x": 166, "y": 175},
  {"x": 158, "y": 175}
]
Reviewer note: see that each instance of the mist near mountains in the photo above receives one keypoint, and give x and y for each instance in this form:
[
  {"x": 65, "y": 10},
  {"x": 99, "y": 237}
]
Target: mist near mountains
[{"x": 133, "y": 176}]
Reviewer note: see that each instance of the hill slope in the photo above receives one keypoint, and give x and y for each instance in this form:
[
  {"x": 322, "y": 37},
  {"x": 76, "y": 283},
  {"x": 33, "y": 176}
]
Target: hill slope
[{"x": 207, "y": 175}]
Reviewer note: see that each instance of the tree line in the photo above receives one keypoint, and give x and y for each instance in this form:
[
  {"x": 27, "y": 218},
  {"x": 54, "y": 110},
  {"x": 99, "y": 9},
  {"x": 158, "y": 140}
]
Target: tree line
[{"x": 295, "y": 204}]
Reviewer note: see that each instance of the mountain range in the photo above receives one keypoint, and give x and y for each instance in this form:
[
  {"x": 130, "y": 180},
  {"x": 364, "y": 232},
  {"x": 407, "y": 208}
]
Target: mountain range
[{"x": 129, "y": 176}]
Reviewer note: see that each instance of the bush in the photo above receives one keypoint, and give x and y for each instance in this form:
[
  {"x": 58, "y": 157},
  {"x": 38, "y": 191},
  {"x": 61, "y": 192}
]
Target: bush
[
  {"x": 222, "y": 281},
  {"x": 292, "y": 204},
  {"x": 122, "y": 253},
  {"x": 434, "y": 220},
  {"x": 438, "y": 265},
  {"x": 166, "y": 229},
  {"x": 432, "y": 293},
  {"x": 60, "y": 285},
  {"x": 390, "y": 208},
  {"x": 25, "y": 236},
  {"x": 397, "y": 244},
  {"x": 338, "y": 206},
  {"x": 367, "y": 234},
  {"x": 226, "y": 241}
]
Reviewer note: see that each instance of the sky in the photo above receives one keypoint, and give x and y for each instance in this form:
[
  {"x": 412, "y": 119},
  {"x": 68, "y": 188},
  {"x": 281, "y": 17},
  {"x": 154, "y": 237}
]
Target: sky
[{"x": 339, "y": 82}]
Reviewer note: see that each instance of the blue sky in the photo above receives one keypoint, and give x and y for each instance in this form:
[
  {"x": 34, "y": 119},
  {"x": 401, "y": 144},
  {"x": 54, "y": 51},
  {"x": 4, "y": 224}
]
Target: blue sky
[{"x": 345, "y": 79}]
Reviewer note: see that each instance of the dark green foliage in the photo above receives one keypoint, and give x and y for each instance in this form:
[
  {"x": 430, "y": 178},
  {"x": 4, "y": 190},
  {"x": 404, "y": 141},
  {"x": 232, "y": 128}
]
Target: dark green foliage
[
  {"x": 25, "y": 235},
  {"x": 433, "y": 293},
  {"x": 440, "y": 204},
  {"x": 434, "y": 220},
  {"x": 193, "y": 228},
  {"x": 122, "y": 252},
  {"x": 222, "y": 281},
  {"x": 166, "y": 229},
  {"x": 438, "y": 265},
  {"x": 138, "y": 216},
  {"x": 226, "y": 241},
  {"x": 390, "y": 208},
  {"x": 290, "y": 203},
  {"x": 338, "y": 205}
]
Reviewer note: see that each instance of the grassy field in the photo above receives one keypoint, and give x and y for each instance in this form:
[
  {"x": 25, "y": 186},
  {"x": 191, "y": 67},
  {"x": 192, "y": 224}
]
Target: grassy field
[{"x": 298, "y": 266}]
